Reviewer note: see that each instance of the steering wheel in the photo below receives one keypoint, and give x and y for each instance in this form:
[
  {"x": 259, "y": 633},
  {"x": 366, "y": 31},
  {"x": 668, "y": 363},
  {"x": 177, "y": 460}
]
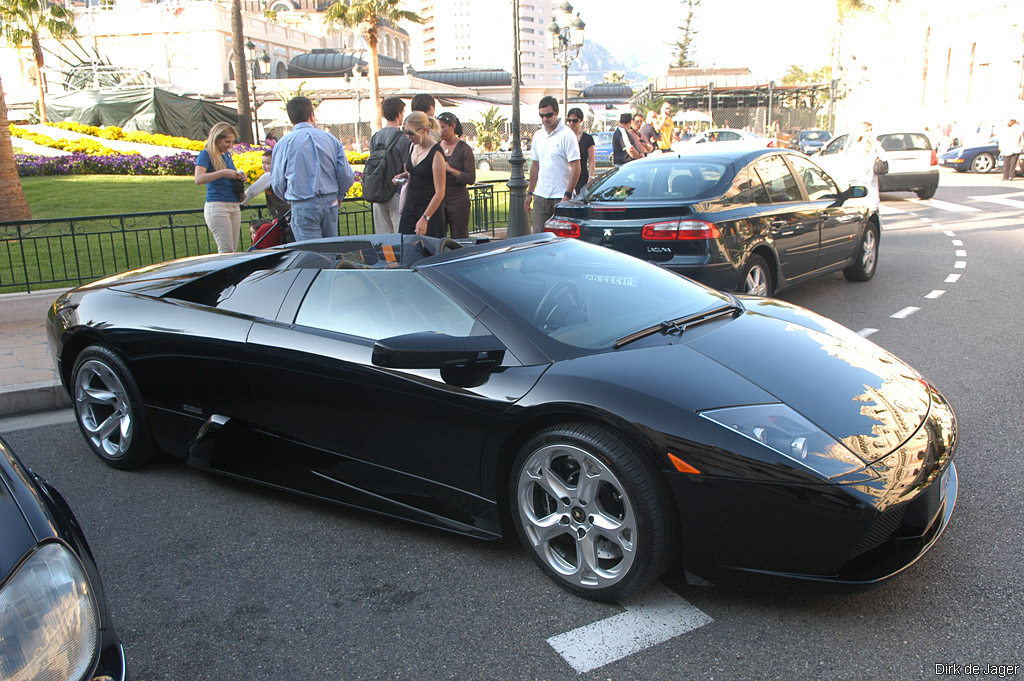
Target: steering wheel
[
  {"x": 550, "y": 302},
  {"x": 448, "y": 244}
]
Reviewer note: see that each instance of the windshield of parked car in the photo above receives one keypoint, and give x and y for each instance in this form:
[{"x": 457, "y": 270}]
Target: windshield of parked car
[
  {"x": 671, "y": 179},
  {"x": 578, "y": 294},
  {"x": 815, "y": 135}
]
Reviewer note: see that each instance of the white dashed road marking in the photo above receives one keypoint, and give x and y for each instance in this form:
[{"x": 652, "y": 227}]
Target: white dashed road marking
[
  {"x": 953, "y": 278},
  {"x": 889, "y": 210},
  {"x": 935, "y": 294},
  {"x": 653, "y": 617},
  {"x": 949, "y": 233},
  {"x": 944, "y": 205},
  {"x": 959, "y": 265},
  {"x": 905, "y": 312},
  {"x": 961, "y": 254},
  {"x": 957, "y": 242},
  {"x": 1002, "y": 201},
  {"x": 866, "y": 332}
]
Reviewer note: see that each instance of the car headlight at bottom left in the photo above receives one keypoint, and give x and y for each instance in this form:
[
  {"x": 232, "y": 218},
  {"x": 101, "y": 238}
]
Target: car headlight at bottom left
[{"x": 49, "y": 623}]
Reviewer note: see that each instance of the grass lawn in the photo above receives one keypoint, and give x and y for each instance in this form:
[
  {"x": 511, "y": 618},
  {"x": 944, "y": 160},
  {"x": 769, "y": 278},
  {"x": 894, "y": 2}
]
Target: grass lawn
[{"x": 63, "y": 196}]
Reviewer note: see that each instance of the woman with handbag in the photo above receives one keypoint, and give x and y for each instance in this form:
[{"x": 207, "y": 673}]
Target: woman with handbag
[
  {"x": 866, "y": 161},
  {"x": 225, "y": 187}
]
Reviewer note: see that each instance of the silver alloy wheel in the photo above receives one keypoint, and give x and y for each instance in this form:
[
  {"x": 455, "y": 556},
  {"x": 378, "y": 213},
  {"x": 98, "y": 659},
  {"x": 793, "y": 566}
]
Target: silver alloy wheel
[
  {"x": 756, "y": 283},
  {"x": 983, "y": 163},
  {"x": 577, "y": 515},
  {"x": 103, "y": 409},
  {"x": 869, "y": 254}
]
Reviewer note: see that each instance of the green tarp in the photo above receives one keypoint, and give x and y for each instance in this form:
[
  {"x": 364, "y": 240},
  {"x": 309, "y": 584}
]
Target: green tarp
[{"x": 146, "y": 109}]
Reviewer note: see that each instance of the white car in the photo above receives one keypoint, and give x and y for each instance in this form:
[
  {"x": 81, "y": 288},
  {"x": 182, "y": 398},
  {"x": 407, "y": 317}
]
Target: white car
[
  {"x": 913, "y": 162},
  {"x": 720, "y": 135}
]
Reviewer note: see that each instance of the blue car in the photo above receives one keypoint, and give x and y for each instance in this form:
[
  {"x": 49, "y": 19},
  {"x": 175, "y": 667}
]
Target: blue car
[
  {"x": 979, "y": 158},
  {"x": 603, "y": 147}
]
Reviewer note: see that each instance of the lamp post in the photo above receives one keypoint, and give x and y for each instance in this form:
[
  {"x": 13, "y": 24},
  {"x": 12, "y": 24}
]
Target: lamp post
[
  {"x": 517, "y": 183},
  {"x": 565, "y": 42},
  {"x": 357, "y": 71},
  {"x": 253, "y": 62},
  {"x": 711, "y": 107}
]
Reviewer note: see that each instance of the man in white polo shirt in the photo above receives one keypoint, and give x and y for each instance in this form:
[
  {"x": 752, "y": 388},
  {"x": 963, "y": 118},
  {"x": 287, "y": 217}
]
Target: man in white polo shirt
[{"x": 555, "y": 165}]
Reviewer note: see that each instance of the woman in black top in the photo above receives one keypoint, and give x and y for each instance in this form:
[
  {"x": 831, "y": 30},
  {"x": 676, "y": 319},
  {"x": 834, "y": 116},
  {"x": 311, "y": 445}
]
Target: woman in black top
[
  {"x": 588, "y": 164},
  {"x": 461, "y": 168},
  {"x": 423, "y": 211}
]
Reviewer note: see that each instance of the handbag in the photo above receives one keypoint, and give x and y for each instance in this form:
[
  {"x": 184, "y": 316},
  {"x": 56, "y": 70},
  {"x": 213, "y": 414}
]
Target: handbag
[
  {"x": 238, "y": 187},
  {"x": 881, "y": 167}
]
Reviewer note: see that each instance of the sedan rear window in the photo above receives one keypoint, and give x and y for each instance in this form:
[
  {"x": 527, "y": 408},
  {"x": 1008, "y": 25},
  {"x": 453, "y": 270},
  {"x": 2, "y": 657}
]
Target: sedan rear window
[{"x": 677, "y": 179}]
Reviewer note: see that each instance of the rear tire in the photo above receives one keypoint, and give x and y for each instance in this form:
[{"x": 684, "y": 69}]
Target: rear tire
[
  {"x": 757, "y": 278},
  {"x": 109, "y": 409},
  {"x": 867, "y": 257},
  {"x": 591, "y": 512},
  {"x": 926, "y": 193}
]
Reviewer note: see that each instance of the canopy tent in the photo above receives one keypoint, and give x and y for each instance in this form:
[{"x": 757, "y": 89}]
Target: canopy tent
[
  {"x": 149, "y": 110},
  {"x": 691, "y": 116}
]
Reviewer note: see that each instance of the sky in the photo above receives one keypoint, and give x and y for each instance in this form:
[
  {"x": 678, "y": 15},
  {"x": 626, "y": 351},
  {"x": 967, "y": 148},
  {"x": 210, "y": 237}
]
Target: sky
[{"x": 730, "y": 33}]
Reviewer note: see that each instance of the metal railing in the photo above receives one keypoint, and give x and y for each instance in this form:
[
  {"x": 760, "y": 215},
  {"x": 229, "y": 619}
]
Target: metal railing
[{"x": 41, "y": 254}]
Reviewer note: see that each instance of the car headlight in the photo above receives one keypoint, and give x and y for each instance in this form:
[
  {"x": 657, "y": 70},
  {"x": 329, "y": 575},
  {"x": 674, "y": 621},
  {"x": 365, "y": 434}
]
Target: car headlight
[
  {"x": 48, "y": 619},
  {"x": 781, "y": 429}
]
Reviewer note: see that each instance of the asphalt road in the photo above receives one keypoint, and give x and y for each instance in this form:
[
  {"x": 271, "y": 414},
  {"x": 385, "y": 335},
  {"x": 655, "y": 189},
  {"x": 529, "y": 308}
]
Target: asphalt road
[{"x": 213, "y": 579}]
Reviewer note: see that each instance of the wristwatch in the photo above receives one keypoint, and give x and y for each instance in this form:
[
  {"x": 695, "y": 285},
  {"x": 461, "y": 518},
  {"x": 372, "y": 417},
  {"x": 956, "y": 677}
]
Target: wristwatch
[
  {"x": 569, "y": 194},
  {"x": 426, "y": 217}
]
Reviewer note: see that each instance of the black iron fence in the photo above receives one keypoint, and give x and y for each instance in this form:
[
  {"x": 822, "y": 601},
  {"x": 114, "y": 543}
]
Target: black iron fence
[{"x": 40, "y": 254}]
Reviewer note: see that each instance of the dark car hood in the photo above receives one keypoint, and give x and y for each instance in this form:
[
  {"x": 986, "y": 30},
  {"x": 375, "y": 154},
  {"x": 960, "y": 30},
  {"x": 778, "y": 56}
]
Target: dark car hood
[
  {"x": 16, "y": 537},
  {"x": 861, "y": 395}
]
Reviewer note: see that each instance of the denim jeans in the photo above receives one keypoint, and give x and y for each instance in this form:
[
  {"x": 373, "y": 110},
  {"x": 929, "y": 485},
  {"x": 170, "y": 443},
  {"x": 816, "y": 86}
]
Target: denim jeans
[{"x": 315, "y": 218}]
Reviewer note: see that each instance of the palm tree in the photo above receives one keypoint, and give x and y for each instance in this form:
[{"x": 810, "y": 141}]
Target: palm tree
[
  {"x": 489, "y": 129},
  {"x": 366, "y": 15},
  {"x": 29, "y": 21},
  {"x": 13, "y": 205},
  {"x": 245, "y": 111}
]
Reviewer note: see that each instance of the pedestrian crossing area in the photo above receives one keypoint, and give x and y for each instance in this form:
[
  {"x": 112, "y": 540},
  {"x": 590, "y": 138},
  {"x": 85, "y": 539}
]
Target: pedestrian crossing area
[{"x": 974, "y": 204}]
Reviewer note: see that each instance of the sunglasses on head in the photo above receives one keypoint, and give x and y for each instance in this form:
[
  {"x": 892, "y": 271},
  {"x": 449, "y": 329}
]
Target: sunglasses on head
[
  {"x": 547, "y": 115},
  {"x": 573, "y": 120}
]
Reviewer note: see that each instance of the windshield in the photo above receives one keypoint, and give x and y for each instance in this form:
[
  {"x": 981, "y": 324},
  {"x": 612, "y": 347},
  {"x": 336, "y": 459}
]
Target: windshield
[
  {"x": 672, "y": 179},
  {"x": 578, "y": 294},
  {"x": 815, "y": 135}
]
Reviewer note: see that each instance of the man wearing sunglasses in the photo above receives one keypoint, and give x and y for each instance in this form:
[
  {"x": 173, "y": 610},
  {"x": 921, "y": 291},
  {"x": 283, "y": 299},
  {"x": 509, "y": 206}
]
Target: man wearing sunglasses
[{"x": 554, "y": 167}]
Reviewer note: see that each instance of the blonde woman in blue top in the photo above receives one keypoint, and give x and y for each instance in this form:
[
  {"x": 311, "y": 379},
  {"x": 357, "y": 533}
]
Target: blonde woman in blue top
[{"x": 216, "y": 170}]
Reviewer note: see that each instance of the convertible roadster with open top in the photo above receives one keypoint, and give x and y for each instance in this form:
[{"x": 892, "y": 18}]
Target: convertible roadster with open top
[{"x": 615, "y": 414}]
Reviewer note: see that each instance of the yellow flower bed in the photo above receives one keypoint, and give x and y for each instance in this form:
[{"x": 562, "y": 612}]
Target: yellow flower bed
[
  {"x": 250, "y": 163},
  {"x": 112, "y": 132},
  {"x": 69, "y": 145},
  {"x": 357, "y": 158}
]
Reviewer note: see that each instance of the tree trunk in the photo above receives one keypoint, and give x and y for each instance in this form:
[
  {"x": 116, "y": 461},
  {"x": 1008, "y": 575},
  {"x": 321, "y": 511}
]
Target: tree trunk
[
  {"x": 37, "y": 54},
  {"x": 245, "y": 113},
  {"x": 13, "y": 205},
  {"x": 371, "y": 39}
]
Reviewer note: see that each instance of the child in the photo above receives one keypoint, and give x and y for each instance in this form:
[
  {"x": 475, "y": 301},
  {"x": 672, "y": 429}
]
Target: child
[{"x": 278, "y": 208}]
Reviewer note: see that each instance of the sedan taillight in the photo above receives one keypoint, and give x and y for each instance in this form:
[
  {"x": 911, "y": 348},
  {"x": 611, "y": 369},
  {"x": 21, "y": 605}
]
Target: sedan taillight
[
  {"x": 562, "y": 227},
  {"x": 680, "y": 230}
]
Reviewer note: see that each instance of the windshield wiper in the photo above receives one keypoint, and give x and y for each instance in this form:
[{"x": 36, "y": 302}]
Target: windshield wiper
[{"x": 681, "y": 324}]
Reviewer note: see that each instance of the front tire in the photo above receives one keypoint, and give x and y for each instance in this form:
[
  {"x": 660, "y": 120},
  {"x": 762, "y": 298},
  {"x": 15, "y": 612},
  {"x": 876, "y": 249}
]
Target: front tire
[
  {"x": 591, "y": 513},
  {"x": 983, "y": 163},
  {"x": 108, "y": 408},
  {"x": 867, "y": 257}
]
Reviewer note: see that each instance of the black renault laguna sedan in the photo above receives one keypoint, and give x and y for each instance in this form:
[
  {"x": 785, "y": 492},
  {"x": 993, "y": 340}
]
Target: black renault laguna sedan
[
  {"x": 611, "y": 413},
  {"x": 53, "y": 616},
  {"x": 749, "y": 220}
]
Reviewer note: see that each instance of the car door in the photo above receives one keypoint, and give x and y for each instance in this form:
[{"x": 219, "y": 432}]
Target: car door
[
  {"x": 789, "y": 219},
  {"x": 839, "y": 225},
  {"x": 396, "y": 438}
]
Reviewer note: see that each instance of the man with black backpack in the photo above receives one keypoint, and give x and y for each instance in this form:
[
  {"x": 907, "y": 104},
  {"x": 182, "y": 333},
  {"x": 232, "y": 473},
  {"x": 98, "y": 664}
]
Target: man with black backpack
[{"x": 389, "y": 152}]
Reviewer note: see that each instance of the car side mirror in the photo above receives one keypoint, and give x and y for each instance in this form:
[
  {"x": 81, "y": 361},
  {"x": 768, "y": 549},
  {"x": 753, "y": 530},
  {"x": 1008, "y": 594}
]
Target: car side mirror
[
  {"x": 852, "y": 192},
  {"x": 461, "y": 359}
]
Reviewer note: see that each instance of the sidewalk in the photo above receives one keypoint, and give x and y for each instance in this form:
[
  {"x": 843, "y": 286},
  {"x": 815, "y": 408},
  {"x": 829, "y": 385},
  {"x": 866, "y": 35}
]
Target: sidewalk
[{"x": 28, "y": 377}]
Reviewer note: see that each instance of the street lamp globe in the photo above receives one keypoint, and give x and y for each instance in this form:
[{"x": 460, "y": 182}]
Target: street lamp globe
[
  {"x": 554, "y": 32},
  {"x": 576, "y": 29}
]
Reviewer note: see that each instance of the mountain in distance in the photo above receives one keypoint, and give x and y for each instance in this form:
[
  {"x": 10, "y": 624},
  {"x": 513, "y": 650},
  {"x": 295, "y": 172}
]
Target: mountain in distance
[{"x": 594, "y": 61}]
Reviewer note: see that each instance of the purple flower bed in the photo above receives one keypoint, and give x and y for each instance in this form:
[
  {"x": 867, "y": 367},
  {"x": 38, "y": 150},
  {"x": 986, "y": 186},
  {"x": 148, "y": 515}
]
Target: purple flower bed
[{"x": 78, "y": 163}]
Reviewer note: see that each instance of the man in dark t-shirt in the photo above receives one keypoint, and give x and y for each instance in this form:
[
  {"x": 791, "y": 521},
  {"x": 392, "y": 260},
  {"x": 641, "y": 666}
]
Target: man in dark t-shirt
[
  {"x": 386, "y": 215},
  {"x": 623, "y": 148}
]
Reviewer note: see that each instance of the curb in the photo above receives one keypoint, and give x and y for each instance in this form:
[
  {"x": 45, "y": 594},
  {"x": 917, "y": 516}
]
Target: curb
[
  {"x": 33, "y": 397},
  {"x": 27, "y": 307}
]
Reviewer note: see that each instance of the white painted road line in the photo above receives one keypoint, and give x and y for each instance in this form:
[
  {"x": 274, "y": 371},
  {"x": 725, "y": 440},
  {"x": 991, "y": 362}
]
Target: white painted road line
[
  {"x": 927, "y": 220},
  {"x": 1002, "y": 201},
  {"x": 905, "y": 312},
  {"x": 948, "y": 233},
  {"x": 889, "y": 210},
  {"x": 944, "y": 205},
  {"x": 866, "y": 332},
  {"x": 959, "y": 265},
  {"x": 650, "y": 618},
  {"x": 935, "y": 294},
  {"x": 961, "y": 254},
  {"x": 953, "y": 278},
  {"x": 958, "y": 242}
]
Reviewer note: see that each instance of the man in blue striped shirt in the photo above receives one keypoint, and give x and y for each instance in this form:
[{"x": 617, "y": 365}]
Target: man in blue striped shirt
[{"x": 310, "y": 170}]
